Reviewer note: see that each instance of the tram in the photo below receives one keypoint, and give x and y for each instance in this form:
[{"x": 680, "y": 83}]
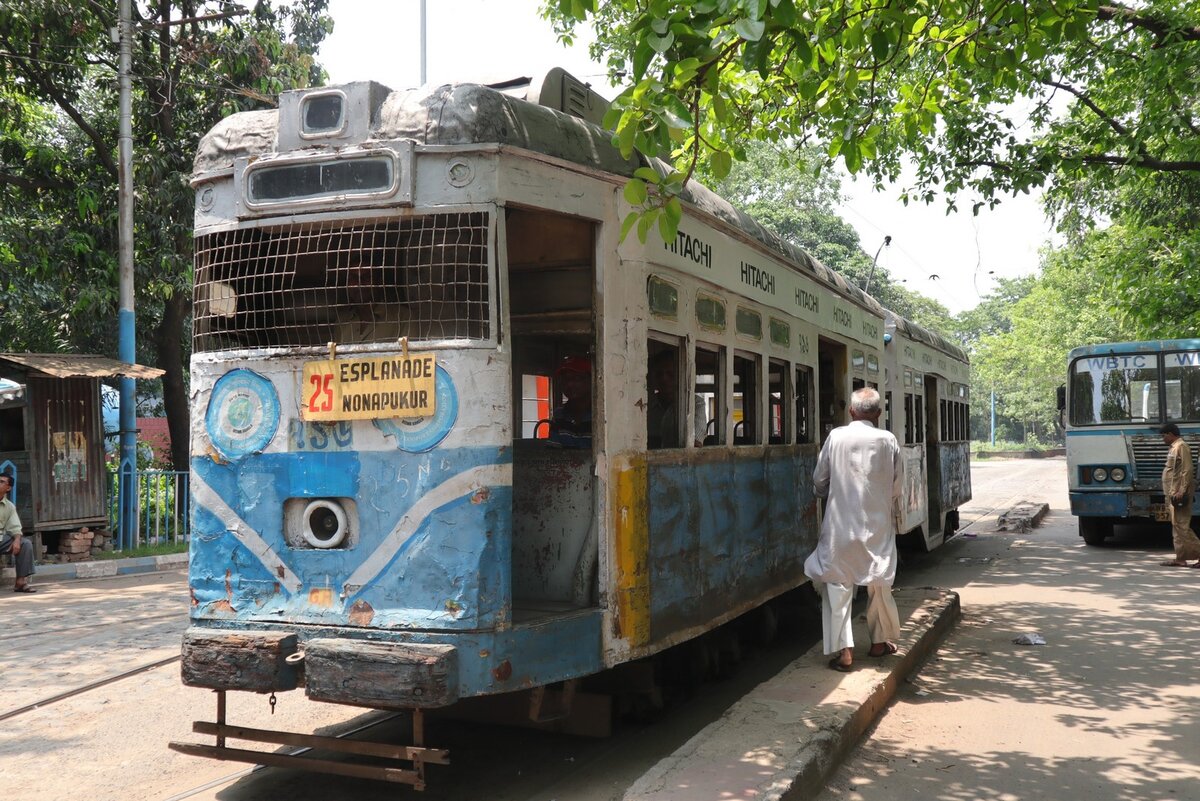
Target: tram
[{"x": 395, "y": 293}]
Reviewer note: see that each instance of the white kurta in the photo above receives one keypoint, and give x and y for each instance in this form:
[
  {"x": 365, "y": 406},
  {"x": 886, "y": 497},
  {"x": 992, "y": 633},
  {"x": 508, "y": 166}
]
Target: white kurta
[{"x": 860, "y": 474}]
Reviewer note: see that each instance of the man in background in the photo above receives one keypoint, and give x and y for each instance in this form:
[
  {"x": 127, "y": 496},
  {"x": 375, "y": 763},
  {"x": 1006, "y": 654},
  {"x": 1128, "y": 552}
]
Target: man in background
[
  {"x": 11, "y": 541},
  {"x": 1179, "y": 485},
  {"x": 860, "y": 474}
]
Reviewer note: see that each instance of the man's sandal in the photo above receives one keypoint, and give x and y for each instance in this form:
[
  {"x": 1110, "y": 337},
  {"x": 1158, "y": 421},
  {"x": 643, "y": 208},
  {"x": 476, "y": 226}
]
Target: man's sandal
[
  {"x": 25, "y": 588},
  {"x": 889, "y": 648}
]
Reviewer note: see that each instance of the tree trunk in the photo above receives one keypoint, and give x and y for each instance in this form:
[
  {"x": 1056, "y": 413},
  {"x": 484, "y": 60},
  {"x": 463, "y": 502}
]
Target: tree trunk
[{"x": 168, "y": 341}]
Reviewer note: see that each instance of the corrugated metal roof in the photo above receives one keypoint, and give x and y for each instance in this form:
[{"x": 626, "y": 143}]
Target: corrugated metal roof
[{"x": 69, "y": 365}]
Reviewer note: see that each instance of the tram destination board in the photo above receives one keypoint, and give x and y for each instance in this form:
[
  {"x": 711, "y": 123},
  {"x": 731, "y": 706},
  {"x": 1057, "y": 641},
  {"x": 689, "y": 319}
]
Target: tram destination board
[{"x": 369, "y": 388}]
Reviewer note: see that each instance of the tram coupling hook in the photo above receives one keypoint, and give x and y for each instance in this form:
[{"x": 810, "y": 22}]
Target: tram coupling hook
[{"x": 294, "y": 659}]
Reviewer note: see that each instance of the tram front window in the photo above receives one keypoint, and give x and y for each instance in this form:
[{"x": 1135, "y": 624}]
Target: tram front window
[{"x": 356, "y": 282}]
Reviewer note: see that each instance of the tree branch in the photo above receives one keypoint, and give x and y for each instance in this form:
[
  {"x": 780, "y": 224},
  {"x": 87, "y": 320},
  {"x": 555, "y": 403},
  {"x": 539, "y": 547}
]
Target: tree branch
[
  {"x": 31, "y": 184},
  {"x": 1087, "y": 101},
  {"x": 1114, "y": 12}
]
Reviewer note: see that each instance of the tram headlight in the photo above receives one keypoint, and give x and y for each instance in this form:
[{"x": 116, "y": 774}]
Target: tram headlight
[
  {"x": 1117, "y": 474},
  {"x": 325, "y": 524},
  {"x": 1099, "y": 474}
]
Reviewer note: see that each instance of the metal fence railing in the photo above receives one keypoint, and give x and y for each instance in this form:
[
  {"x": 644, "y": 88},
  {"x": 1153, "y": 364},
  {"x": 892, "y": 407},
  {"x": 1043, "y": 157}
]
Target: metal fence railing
[{"x": 162, "y": 508}]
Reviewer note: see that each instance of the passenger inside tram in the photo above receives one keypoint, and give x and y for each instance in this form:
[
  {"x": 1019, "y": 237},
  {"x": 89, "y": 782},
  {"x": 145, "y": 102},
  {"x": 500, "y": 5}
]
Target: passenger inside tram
[
  {"x": 663, "y": 426},
  {"x": 571, "y": 422}
]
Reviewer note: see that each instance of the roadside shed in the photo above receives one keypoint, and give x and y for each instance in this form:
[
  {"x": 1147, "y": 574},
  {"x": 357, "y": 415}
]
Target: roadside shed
[{"x": 51, "y": 441}]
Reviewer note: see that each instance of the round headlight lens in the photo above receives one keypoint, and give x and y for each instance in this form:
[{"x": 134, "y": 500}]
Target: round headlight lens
[
  {"x": 1099, "y": 474},
  {"x": 1117, "y": 474}
]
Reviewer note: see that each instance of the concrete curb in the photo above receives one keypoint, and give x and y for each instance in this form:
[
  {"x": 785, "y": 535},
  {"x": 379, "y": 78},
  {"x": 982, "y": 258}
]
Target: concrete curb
[
  {"x": 103, "y": 568},
  {"x": 784, "y": 739}
]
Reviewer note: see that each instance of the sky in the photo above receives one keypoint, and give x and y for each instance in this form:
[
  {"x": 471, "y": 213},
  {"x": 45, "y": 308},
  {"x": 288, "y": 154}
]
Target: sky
[{"x": 952, "y": 259}]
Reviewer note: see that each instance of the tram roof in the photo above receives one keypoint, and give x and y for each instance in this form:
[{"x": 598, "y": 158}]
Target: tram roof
[
  {"x": 466, "y": 113},
  {"x": 922, "y": 334}
]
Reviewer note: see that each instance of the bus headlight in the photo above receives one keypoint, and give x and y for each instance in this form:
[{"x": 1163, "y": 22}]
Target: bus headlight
[
  {"x": 1117, "y": 474},
  {"x": 1099, "y": 474},
  {"x": 325, "y": 524}
]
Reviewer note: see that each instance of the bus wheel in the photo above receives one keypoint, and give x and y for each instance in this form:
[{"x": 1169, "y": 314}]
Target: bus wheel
[{"x": 1095, "y": 530}]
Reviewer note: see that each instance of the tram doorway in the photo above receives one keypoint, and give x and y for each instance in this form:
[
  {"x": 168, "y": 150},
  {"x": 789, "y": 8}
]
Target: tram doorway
[
  {"x": 831, "y": 380},
  {"x": 551, "y": 274},
  {"x": 933, "y": 464}
]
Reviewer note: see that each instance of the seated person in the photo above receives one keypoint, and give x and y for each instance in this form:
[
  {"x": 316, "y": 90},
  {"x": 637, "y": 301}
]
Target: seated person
[
  {"x": 11, "y": 541},
  {"x": 571, "y": 422},
  {"x": 375, "y": 311},
  {"x": 662, "y": 414}
]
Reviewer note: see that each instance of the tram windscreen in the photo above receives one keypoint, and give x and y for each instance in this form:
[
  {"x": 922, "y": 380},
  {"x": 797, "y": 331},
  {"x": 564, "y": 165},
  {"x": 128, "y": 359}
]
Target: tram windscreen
[
  {"x": 1115, "y": 389},
  {"x": 352, "y": 282}
]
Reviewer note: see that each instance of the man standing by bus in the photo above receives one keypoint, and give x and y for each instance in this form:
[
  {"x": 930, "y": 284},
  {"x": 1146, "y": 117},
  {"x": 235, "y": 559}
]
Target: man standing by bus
[
  {"x": 860, "y": 474},
  {"x": 1179, "y": 485}
]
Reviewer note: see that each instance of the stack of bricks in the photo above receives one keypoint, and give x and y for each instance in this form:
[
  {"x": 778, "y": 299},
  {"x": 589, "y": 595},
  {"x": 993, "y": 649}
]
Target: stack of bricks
[
  {"x": 101, "y": 541},
  {"x": 76, "y": 546}
]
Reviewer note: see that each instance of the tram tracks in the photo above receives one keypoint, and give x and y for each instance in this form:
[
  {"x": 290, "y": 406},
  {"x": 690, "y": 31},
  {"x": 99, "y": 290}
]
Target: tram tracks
[
  {"x": 182, "y": 615},
  {"x": 92, "y": 685}
]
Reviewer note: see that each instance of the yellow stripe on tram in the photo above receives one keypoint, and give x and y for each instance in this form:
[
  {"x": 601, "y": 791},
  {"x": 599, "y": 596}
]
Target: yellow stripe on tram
[{"x": 632, "y": 545}]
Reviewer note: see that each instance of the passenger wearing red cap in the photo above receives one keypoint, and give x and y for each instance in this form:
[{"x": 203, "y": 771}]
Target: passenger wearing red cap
[{"x": 571, "y": 422}]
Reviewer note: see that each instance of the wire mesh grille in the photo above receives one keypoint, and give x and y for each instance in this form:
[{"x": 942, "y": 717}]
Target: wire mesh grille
[{"x": 351, "y": 282}]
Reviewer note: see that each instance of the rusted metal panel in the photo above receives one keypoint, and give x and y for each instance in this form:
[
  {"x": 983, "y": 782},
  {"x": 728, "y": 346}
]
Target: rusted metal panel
[
  {"x": 67, "y": 477},
  {"x": 728, "y": 527},
  {"x": 955, "y": 464},
  {"x": 75, "y": 365}
]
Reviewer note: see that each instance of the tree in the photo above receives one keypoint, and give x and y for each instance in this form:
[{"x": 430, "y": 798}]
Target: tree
[
  {"x": 194, "y": 62},
  {"x": 1066, "y": 306},
  {"x": 969, "y": 89},
  {"x": 798, "y": 205}
]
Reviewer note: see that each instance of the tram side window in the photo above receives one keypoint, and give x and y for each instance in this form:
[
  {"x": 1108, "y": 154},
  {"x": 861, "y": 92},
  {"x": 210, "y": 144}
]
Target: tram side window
[
  {"x": 909, "y": 431},
  {"x": 535, "y": 406},
  {"x": 745, "y": 399},
  {"x": 918, "y": 418},
  {"x": 665, "y": 418},
  {"x": 887, "y": 410},
  {"x": 945, "y": 421},
  {"x": 777, "y": 392},
  {"x": 711, "y": 390},
  {"x": 966, "y": 413},
  {"x": 804, "y": 393}
]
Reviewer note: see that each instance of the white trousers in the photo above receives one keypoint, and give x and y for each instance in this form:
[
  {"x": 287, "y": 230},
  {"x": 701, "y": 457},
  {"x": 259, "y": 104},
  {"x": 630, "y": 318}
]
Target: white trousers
[{"x": 883, "y": 621}]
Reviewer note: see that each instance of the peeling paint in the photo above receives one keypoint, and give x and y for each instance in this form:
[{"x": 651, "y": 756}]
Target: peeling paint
[
  {"x": 361, "y": 613},
  {"x": 503, "y": 671}
]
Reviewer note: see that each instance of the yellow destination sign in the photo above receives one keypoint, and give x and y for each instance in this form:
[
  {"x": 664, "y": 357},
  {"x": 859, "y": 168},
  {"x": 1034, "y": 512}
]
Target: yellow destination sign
[{"x": 367, "y": 389}]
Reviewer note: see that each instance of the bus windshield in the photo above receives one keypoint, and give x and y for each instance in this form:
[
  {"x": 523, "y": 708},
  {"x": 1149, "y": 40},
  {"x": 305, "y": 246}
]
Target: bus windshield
[
  {"x": 1115, "y": 389},
  {"x": 1126, "y": 388}
]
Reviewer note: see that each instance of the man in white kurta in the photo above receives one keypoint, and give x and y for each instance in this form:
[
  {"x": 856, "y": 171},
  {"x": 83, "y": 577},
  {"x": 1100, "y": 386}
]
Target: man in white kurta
[{"x": 860, "y": 474}]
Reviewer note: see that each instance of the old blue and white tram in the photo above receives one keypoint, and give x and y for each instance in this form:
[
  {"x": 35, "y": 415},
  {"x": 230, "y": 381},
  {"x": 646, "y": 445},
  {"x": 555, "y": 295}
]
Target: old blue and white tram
[{"x": 388, "y": 288}]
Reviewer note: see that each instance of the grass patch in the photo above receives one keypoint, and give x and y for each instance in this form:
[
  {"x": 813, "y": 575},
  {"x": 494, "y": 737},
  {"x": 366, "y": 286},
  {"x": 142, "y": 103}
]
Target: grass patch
[{"x": 161, "y": 549}]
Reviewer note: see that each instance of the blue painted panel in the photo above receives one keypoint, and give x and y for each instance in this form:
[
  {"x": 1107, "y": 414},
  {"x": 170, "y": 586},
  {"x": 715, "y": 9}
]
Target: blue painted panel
[
  {"x": 1150, "y": 346},
  {"x": 1100, "y": 504},
  {"x": 724, "y": 530},
  {"x": 451, "y": 573}
]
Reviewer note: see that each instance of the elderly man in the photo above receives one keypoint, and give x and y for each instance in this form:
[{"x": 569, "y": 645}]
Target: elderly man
[
  {"x": 1179, "y": 485},
  {"x": 860, "y": 474},
  {"x": 11, "y": 541}
]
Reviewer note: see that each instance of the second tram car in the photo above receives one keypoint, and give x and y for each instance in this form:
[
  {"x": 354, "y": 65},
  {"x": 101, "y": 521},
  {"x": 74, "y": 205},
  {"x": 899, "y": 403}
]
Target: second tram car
[{"x": 395, "y": 292}]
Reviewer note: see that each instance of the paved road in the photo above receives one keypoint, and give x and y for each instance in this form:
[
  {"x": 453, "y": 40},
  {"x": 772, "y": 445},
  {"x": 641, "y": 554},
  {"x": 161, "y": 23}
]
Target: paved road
[
  {"x": 110, "y": 741},
  {"x": 1109, "y": 708}
]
